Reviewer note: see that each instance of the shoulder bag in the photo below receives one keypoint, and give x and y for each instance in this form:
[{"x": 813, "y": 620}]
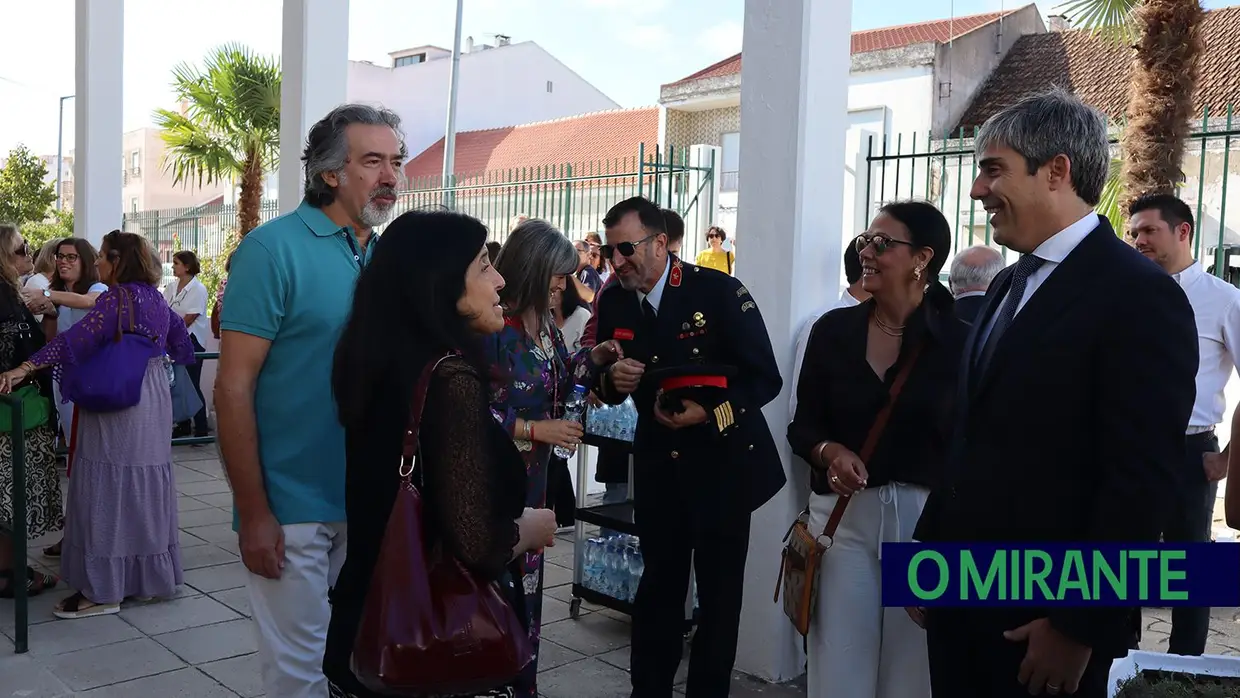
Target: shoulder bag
[
  {"x": 803, "y": 551},
  {"x": 429, "y": 626},
  {"x": 111, "y": 379},
  {"x": 36, "y": 408}
]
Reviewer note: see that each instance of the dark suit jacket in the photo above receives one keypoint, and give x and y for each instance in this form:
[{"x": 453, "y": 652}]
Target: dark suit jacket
[
  {"x": 729, "y": 464},
  {"x": 969, "y": 307},
  {"x": 1076, "y": 428}
]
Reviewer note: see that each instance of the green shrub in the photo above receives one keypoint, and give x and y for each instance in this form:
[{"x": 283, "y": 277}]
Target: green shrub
[
  {"x": 213, "y": 268},
  {"x": 1160, "y": 684}
]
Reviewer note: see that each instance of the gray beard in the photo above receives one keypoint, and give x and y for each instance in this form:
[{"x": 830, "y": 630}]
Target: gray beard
[{"x": 375, "y": 215}]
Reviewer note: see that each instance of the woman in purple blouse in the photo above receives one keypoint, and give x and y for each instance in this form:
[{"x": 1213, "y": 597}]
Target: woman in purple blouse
[{"x": 121, "y": 519}]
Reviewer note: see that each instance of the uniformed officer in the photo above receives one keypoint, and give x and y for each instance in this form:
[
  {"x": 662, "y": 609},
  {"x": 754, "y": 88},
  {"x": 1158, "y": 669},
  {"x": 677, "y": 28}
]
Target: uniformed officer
[{"x": 704, "y": 458}]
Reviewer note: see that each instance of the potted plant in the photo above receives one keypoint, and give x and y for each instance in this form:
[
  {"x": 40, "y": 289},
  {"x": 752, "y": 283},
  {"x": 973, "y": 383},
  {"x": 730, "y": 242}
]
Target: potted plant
[{"x": 1158, "y": 675}]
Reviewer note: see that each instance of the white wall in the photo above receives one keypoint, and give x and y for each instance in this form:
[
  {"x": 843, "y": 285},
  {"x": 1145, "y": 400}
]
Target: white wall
[{"x": 498, "y": 87}]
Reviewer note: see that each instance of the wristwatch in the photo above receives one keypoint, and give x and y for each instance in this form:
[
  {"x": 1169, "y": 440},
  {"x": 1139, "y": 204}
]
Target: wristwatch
[{"x": 47, "y": 293}]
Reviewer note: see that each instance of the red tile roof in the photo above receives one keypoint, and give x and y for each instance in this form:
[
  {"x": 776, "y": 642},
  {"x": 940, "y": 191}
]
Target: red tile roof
[
  {"x": 574, "y": 140},
  {"x": 1097, "y": 70},
  {"x": 940, "y": 30}
]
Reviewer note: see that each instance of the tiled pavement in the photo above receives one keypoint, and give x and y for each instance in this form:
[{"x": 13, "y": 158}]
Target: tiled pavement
[{"x": 201, "y": 644}]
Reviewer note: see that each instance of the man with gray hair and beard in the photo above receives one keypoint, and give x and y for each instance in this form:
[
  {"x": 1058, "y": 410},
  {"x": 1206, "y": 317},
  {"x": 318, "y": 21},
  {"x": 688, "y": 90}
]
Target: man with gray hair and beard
[
  {"x": 971, "y": 272},
  {"x": 289, "y": 293}
]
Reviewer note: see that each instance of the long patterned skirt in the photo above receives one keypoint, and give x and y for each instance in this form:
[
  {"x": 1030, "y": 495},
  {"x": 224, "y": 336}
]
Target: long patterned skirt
[
  {"x": 531, "y": 565},
  {"x": 44, "y": 509},
  {"x": 121, "y": 535}
]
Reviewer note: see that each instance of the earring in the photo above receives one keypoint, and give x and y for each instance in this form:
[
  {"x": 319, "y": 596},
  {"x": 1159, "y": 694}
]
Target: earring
[{"x": 917, "y": 273}]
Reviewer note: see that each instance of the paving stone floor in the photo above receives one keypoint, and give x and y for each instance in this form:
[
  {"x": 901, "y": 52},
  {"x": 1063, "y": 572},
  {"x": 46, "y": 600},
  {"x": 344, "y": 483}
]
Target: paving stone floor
[{"x": 201, "y": 644}]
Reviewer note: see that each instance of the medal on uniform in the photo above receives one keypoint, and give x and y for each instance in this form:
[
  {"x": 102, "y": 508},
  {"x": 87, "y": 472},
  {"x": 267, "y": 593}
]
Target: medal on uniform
[{"x": 699, "y": 320}]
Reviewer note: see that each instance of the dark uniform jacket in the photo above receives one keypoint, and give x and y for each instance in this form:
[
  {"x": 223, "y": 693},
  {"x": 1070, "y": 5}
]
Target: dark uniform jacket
[{"x": 730, "y": 463}]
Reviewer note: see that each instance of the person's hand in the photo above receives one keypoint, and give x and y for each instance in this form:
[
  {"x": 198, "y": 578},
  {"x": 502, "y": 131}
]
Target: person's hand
[
  {"x": 626, "y": 374},
  {"x": 847, "y": 472},
  {"x": 1053, "y": 663},
  {"x": 558, "y": 432},
  {"x": 39, "y": 304},
  {"x": 593, "y": 400},
  {"x": 693, "y": 415},
  {"x": 1215, "y": 465},
  {"x": 536, "y": 528},
  {"x": 606, "y": 353},
  {"x": 11, "y": 379},
  {"x": 262, "y": 545},
  {"x": 918, "y": 614}
]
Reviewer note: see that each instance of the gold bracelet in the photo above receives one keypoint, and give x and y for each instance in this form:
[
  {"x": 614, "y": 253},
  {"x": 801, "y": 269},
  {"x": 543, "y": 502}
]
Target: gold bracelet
[
  {"x": 529, "y": 429},
  {"x": 816, "y": 456}
]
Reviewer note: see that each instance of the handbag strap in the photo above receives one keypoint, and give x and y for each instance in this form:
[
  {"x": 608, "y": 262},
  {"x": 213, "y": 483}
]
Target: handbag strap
[
  {"x": 415, "y": 418},
  {"x": 871, "y": 439}
]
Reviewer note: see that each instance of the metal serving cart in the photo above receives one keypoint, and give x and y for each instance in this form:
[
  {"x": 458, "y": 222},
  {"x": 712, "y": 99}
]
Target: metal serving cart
[{"x": 606, "y": 571}]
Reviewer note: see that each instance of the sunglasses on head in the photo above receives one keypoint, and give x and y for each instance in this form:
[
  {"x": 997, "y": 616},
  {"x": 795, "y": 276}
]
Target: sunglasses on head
[
  {"x": 881, "y": 242},
  {"x": 625, "y": 248}
]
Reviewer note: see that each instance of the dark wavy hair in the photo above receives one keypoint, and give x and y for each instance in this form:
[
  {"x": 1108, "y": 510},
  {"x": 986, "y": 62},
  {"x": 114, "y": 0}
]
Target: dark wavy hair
[
  {"x": 404, "y": 310},
  {"x": 86, "y": 257},
  {"x": 927, "y": 228}
]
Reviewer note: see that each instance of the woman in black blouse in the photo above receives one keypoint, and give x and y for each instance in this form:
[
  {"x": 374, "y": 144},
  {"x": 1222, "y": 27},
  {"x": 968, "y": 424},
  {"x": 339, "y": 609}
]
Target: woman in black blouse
[
  {"x": 429, "y": 289},
  {"x": 856, "y": 647}
]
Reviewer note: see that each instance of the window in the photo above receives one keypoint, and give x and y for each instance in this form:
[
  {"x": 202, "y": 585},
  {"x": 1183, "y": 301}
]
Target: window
[
  {"x": 730, "y": 143},
  {"x": 549, "y": 87},
  {"x": 410, "y": 60},
  {"x": 135, "y": 159},
  {"x": 133, "y": 204}
]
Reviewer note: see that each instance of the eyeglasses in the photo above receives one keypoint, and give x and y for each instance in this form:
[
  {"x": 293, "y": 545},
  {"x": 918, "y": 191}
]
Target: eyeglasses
[
  {"x": 625, "y": 248},
  {"x": 67, "y": 257},
  {"x": 881, "y": 242},
  {"x": 23, "y": 251}
]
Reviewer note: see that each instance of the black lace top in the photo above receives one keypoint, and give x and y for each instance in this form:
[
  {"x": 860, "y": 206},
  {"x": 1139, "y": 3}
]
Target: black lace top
[{"x": 473, "y": 491}]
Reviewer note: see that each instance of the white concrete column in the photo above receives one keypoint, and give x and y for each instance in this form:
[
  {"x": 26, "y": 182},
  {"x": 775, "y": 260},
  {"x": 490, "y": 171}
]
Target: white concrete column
[
  {"x": 794, "y": 101},
  {"x": 98, "y": 127},
  {"x": 315, "y": 59}
]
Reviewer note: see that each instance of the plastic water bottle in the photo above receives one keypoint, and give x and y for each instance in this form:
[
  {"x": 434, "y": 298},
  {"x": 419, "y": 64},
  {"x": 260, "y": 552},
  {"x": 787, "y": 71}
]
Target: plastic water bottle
[
  {"x": 574, "y": 410},
  {"x": 590, "y": 564},
  {"x": 172, "y": 375}
]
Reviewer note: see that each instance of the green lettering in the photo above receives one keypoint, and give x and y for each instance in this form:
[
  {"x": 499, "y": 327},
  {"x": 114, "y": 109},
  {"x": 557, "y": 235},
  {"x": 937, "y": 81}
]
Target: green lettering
[
  {"x": 1102, "y": 567},
  {"x": 944, "y": 575},
  {"x": 1014, "y": 588},
  {"x": 1166, "y": 575},
  {"x": 1073, "y": 576},
  {"x": 1037, "y": 577},
  {"x": 970, "y": 576},
  {"x": 1143, "y": 577}
]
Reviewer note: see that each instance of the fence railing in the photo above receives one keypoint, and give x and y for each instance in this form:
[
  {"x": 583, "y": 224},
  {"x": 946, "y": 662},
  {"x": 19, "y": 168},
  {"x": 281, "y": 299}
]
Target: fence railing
[
  {"x": 17, "y": 527},
  {"x": 942, "y": 171},
  {"x": 572, "y": 197}
]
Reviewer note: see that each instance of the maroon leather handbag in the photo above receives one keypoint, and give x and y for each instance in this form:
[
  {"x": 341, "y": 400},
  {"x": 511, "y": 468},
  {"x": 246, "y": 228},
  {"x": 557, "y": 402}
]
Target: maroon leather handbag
[{"x": 429, "y": 626}]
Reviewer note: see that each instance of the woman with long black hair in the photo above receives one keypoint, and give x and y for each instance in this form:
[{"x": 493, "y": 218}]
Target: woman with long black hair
[{"x": 429, "y": 290}]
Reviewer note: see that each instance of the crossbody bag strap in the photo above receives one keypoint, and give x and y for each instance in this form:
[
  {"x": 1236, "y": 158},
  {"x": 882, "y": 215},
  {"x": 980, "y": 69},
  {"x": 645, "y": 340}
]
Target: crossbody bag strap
[
  {"x": 415, "y": 417},
  {"x": 871, "y": 439}
]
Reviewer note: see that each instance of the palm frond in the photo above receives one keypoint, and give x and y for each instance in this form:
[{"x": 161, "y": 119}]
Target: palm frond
[
  {"x": 1110, "y": 19},
  {"x": 1112, "y": 195}
]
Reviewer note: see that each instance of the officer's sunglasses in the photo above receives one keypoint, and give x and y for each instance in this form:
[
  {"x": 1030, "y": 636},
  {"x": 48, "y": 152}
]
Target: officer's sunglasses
[
  {"x": 881, "y": 242},
  {"x": 625, "y": 248}
]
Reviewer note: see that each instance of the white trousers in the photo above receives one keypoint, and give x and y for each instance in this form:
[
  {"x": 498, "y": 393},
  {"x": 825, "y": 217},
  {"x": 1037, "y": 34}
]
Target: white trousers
[
  {"x": 857, "y": 648},
  {"x": 291, "y": 614}
]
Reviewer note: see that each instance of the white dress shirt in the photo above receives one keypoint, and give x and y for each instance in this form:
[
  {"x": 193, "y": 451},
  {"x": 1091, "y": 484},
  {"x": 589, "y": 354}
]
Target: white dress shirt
[
  {"x": 1216, "y": 307},
  {"x": 656, "y": 293},
  {"x": 191, "y": 300},
  {"x": 846, "y": 300},
  {"x": 1053, "y": 251}
]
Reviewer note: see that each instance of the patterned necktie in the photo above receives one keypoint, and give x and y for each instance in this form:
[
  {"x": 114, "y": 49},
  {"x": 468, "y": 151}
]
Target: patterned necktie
[{"x": 1026, "y": 265}]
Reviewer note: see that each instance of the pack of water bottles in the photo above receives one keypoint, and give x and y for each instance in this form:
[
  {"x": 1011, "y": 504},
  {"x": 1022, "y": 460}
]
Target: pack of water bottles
[
  {"x": 614, "y": 566},
  {"x": 618, "y": 422}
]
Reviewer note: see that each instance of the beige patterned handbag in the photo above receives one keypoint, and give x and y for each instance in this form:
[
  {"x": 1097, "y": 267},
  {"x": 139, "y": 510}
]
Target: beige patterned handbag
[{"x": 802, "y": 556}]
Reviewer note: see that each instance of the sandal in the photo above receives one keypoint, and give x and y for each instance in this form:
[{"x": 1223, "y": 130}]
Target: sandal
[
  {"x": 36, "y": 583},
  {"x": 52, "y": 552},
  {"x": 78, "y": 606}
]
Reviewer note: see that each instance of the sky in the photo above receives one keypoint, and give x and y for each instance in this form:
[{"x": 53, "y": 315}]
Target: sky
[{"x": 626, "y": 48}]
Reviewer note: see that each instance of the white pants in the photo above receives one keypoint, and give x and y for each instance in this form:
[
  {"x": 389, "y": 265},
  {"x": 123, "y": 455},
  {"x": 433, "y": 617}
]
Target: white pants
[
  {"x": 857, "y": 648},
  {"x": 292, "y": 613}
]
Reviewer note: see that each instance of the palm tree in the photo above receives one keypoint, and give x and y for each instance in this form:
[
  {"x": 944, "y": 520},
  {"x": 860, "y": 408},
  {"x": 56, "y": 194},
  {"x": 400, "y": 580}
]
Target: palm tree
[
  {"x": 1166, "y": 39},
  {"x": 229, "y": 126}
]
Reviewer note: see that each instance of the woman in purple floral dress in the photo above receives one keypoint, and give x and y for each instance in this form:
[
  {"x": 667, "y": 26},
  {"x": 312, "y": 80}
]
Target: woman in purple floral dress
[
  {"x": 534, "y": 375},
  {"x": 121, "y": 528}
]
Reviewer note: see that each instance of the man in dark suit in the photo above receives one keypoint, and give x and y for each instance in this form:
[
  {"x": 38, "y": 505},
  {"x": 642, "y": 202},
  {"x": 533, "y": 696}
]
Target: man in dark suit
[
  {"x": 698, "y": 472},
  {"x": 970, "y": 275},
  {"x": 1075, "y": 393}
]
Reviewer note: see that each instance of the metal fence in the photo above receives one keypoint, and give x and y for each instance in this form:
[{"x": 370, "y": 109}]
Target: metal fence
[
  {"x": 572, "y": 197},
  {"x": 942, "y": 170}
]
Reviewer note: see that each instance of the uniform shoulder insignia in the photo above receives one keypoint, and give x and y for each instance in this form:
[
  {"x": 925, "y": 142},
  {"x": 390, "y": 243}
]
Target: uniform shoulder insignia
[
  {"x": 747, "y": 306},
  {"x": 742, "y": 292},
  {"x": 674, "y": 277}
]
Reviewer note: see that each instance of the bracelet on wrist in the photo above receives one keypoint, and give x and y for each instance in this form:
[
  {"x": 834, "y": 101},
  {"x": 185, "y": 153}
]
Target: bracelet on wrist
[
  {"x": 816, "y": 456},
  {"x": 530, "y": 431}
]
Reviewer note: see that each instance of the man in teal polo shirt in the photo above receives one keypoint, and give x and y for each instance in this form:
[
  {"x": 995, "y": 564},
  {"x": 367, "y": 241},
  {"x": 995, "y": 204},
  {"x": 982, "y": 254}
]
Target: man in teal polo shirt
[{"x": 289, "y": 293}]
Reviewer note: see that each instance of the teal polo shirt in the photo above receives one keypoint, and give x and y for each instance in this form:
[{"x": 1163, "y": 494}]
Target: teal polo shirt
[{"x": 291, "y": 282}]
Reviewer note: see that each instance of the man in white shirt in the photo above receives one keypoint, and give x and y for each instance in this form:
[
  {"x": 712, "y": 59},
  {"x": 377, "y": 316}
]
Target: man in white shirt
[
  {"x": 1161, "y": 227},
  {"x": 852, "y": 295}
]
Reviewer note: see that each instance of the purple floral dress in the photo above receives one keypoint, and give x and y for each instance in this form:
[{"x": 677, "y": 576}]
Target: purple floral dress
[{"x": 532, "y": 383}]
